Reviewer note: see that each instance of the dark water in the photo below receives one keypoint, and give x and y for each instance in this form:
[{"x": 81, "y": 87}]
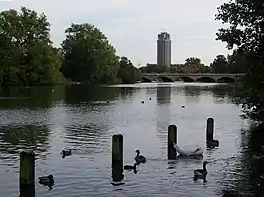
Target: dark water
[{"x": 48, "y": 119}]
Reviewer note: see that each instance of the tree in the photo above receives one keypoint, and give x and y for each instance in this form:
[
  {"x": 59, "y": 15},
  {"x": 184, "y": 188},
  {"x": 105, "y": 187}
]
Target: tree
[
  {"x": 88, "y": 56},
  {"x": 127, "y": 72},
  {"x": 220, "y": 64},
  {"x": 153, "y": 68},
  {"x": 192, "y": 61},
  {"x": 246, "y": 32},
  {"x": 204, "y": 69},
  {"x": 194, "y": 65},
  {"x": 237, "y": 62},
  {"x": 27, "y": 57}
]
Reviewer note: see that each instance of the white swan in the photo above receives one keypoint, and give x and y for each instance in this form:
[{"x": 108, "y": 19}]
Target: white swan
[{"x": 189, "y": 152}]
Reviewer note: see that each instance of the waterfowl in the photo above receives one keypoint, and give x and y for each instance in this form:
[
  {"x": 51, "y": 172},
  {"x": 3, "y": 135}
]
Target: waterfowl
[
  {"x": 140, "y": 158},
  {"x": 129, "y": 167},
  {"x": 46, "y": 180},
  {"x": 108, "y": 101},
  {"x": 200, "y": 173},
  {"x": 183, "y": 106},
  {"x": 66, "y": 153},
  {"x": 142, "y": 102},
  {"x": 192, "y": 151},
  {"x": 149, "y": 98}
]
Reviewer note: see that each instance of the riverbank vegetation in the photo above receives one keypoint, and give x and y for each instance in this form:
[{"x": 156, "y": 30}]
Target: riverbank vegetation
[
  {"x": 234, "y": 63},
  {"x": 28, "y": 56},
  {"x": 246, "y": 34}
]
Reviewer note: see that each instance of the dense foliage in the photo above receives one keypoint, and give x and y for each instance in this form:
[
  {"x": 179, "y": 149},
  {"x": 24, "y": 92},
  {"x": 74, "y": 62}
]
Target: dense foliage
[
  {"x": 88, "y": 56},
  {"x": 27, "y": 56},
  {"x": 127, "y": 72},
  {"x": 246, "y": 33},
  {"x": 234, "y": 63}
]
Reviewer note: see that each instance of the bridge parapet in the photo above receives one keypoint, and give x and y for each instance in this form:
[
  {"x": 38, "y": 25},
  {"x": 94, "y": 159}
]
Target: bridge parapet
[
  {"x": 194, "y": 74},
  {"x": 192, "y": 77}
]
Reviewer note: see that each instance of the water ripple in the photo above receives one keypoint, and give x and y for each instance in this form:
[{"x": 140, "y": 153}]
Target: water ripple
[{"x": 85, "y": 123}]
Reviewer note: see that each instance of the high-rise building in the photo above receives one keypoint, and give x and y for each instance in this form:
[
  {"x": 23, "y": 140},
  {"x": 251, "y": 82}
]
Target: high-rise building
[{"x": 164, "y": 49}]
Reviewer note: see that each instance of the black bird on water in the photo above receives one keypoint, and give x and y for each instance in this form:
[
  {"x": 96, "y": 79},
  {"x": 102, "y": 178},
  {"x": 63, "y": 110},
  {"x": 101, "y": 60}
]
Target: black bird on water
[
  {"x": 140, "y": 158},
  {"x": 201, "y": 173}
]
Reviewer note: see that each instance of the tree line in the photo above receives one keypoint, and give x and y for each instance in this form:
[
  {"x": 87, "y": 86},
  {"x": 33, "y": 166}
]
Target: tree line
[
  {"x": 245, "y": 33},
  {"x": 234, "y": 63},
  {"x": 28, "y": 56}
]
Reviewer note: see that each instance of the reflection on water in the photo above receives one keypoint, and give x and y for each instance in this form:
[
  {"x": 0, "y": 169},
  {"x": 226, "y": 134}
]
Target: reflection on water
[
  {"x": 151, "y": 90},
  {"x": 31, "y": 97},
  {"x": 126, "y": 92},
  {"x": 76, "y": 94},
  {"x": 220, "y": 93},
  {"x": 192, "y": 93},
  {"x": 80, "y": 117},
  {"x": 251, "y": 170},
  {"x": 163, "y": 110},
  {"x": 86, "y": 138},
  {"x": 163, "y": 94},
  {"x": 15, "y": 138}
]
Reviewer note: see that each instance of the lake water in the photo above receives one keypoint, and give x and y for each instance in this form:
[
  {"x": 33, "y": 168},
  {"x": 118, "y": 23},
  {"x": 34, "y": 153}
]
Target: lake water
[{"x": 49, "y": 119}]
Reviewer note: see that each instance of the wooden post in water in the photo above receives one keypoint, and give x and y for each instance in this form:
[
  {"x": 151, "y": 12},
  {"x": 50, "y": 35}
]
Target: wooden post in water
[
  {"x": 27, "y": 174},
  {"x": 210, "y": 130},
  {"x": 117, "y": 158},
  {"x": 172, "y": 138}
]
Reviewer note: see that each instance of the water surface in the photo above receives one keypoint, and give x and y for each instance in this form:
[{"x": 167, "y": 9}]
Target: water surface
[{"x": 49, "y": 119}]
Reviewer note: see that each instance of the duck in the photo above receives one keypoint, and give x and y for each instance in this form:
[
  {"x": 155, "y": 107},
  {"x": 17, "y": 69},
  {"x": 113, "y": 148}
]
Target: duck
[
  {"x": 142, "y": 102},
  {"x": 140, "y": 158},
  {"x": 129, "y": 167},
  {"x": 46, "y": 180},
  {"x": 200, "y": 173},
  {"x": 149, "y": 98},
  {"x": 191, "y": 152},
  {"x": 66, "y": 153}
]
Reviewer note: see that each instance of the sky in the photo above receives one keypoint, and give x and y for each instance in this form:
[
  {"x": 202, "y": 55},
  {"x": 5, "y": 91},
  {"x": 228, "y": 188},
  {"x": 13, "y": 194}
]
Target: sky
[{"x": 132, "y": 26}]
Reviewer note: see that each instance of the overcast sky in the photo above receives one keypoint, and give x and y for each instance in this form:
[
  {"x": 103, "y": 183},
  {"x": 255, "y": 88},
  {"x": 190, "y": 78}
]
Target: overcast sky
[{"x": 132, "y": 26}]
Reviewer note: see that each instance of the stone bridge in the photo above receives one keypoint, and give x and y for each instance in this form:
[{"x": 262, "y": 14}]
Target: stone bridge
[{"x": 192, "y": 77}]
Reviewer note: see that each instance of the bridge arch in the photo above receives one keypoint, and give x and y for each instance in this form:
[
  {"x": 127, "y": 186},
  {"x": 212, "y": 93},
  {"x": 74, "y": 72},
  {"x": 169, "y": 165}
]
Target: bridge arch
[
  {"x": 165, "y": 79},
  {"x": 146, "y": 79},
  {"x": 226, "y": 80},
  {"x": 206, "y": 79},
  {"x": 185, "y": 79}
]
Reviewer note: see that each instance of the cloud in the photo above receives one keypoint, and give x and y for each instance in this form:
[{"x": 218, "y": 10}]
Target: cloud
[{"x": 132, "y": 26}]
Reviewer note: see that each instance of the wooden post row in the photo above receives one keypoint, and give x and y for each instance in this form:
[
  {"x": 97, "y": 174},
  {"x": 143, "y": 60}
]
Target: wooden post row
[
  {"x": 117, "y": 158},
  {"x": 27, "y": 174},
  {"x": 209, "y": 130},
  {"x": 172, "y": 138}
]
